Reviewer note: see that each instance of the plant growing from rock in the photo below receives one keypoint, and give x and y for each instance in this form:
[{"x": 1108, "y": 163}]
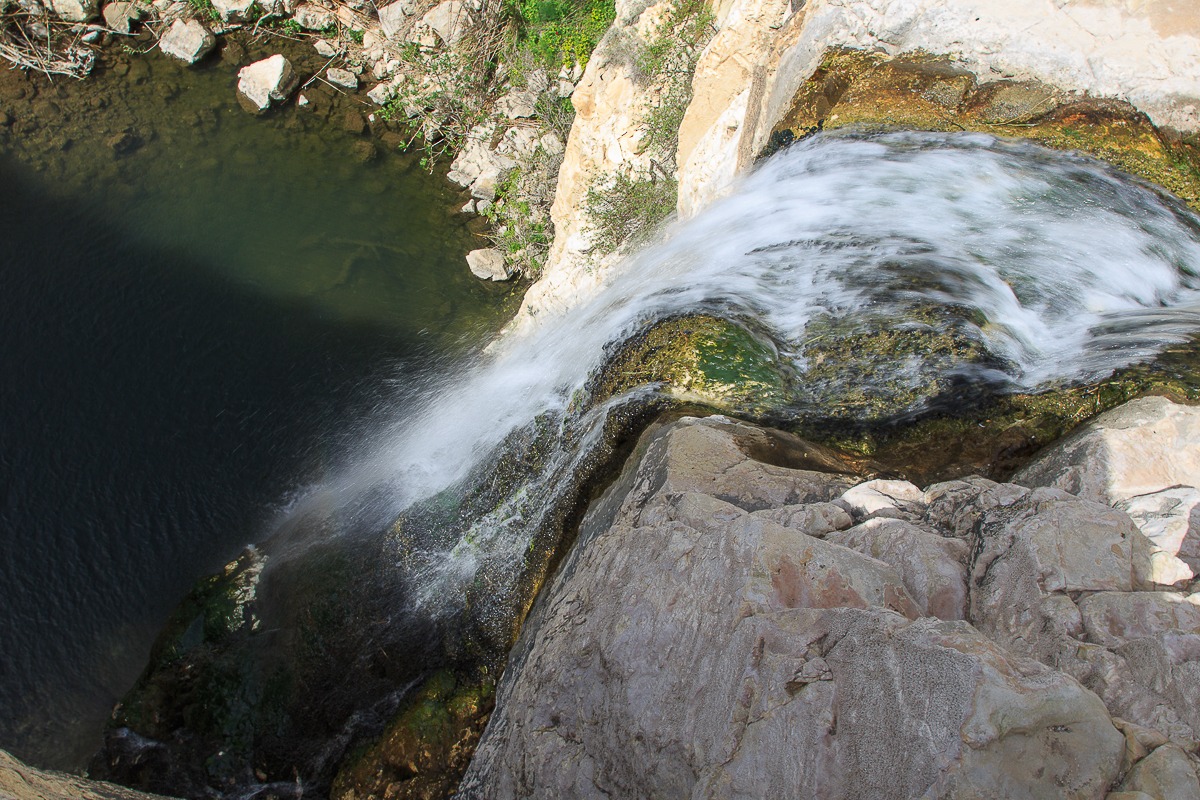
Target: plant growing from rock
[{"x": 624, "y": 207}]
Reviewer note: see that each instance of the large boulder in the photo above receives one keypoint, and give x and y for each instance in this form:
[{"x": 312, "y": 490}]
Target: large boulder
[
  {"x": 488, "y": 264},
  {"x": 689, "y": 646},
  {"x": 1142, "y": 447},
  {"x": 264, "y": 81},
  {"x": 187, "y": 40},
  {"x": 450, "y": 20},
  {"x": 932, "y": 566}
]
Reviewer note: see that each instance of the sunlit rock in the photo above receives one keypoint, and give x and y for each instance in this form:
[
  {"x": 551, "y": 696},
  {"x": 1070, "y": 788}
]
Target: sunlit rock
[
  {"x": 313, "y": 18},
  {"x": 342, "y": 78},
  {"x": 689, "y": 648},
  {"x": 265, "y": 81},
  {"x": 120, "y": 14},
  {"x": 1115, "y": 618},
  {"x": 450, "y": 20},
  {"x": 931, "y": 566},
  {"x": 1136, "y": 449},
  {"x": 1166, "y": 774},
  {"x": 488, "y": 264},
  {"x": 74, "y": 10},
  {"x": 187, "y": 40},
  {"x": 235, "y": 11}
]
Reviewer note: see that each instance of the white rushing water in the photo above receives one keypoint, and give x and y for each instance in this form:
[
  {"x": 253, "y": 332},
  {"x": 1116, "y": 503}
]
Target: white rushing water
[{"x": 1066, "y": 270}]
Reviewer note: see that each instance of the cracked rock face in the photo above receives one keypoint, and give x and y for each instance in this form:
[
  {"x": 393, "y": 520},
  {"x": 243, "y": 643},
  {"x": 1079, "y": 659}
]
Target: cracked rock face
[{"x": 723, "y": 628}]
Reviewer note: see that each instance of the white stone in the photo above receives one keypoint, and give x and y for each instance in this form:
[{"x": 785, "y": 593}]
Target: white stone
[
  {"x": 313, "y": 18},
  {"x": 450, "y": 20},
  {"x": 342, "y": 78},
  {"x": 883, "y": 498},
  {"x": 517, "y": 105},
  {"x": 382, "y": 94},
  {"x": 551, "y": 144},
  {"x": 488, "y": 265},
  {"x": 234, "y": 11},
  {"x": 1170, "y": 519},
  {"x": 74, "y": 10},
  {"x": 119, "y": 14},
  {"x": 263, "y": 81},
  {"x": 469, "y": 208},
  {"x": 520, "y": 143},
  {"x": 326, "y": 48},
  {"x": 188, "y": 41},
  {"x": 422, "y": 35},
  {"x": 565, "y": 89},
  {"x": 393, "y": 16}
]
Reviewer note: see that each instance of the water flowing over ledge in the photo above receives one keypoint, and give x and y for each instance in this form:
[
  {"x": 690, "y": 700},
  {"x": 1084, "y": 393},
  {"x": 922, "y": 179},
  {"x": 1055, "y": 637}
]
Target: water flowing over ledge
[{"x": 1055, "y": 266}]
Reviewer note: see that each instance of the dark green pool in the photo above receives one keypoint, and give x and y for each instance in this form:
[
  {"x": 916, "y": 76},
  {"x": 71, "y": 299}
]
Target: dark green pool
[{"x": 200, "y": 312}]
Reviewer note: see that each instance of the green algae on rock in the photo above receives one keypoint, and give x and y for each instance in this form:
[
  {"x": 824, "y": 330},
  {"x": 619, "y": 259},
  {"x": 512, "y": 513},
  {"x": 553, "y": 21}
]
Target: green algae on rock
[
  {"x": 427, "y": 745},
  {"x": 853, "y": 90}
]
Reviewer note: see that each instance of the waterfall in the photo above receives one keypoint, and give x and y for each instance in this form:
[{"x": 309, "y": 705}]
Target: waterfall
[{"x": 1054, "y": 267}]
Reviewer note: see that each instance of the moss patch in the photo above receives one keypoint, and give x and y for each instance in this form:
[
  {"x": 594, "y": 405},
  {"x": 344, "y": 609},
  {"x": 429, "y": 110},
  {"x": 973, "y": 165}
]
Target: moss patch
[
  {"x": 855, "y": 90},
  {"x": 426, "y": 747}
]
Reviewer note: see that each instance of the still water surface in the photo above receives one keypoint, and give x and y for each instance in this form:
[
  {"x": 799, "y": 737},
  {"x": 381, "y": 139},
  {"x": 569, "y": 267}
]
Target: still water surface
[{"x": 192, "y": 331}]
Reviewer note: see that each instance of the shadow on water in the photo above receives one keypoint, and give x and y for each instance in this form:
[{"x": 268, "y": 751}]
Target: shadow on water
[{"x": 160, "y": 404}]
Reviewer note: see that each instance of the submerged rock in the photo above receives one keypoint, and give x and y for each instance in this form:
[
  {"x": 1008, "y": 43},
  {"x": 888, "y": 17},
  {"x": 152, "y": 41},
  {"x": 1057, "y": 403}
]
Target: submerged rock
[
  {"x": 187, "y": 40},
  {"x": 265, "y": 81}
]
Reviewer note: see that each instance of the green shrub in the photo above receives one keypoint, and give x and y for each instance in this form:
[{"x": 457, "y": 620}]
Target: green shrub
[
  {"x": 558, "y": 32},
  {"x": 629, "y": 208}
]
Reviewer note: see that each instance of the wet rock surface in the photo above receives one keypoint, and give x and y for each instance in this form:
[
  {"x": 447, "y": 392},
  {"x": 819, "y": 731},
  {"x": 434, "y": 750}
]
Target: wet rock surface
[{"x": 690, "y": 645}]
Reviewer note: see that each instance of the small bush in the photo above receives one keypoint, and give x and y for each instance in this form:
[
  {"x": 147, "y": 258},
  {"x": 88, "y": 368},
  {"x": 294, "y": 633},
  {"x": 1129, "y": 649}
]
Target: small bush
[
  {"x": 629, "y": 208},
  {"x": 558, "y": 32}
]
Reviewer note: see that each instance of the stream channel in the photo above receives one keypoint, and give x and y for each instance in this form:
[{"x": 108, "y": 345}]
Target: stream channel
[{"x": 202, "y": 313}]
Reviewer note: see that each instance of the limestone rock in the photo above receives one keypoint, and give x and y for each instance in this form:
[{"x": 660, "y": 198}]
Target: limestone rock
[
  {"x": 187, "y": 40},
  {"x": 265, "y": 81},
  {"x": 1010, "y": 102},
  {"x": 1165, "y": 774},
  {"x": 815, "y": 519},
  {"x": 233, "y": 11},
  {"x": 518, "y": 143},
  {"x": 382, "y": 94},
  {"x": 342, "y": 78},
  {"x": 313, "y": 18},
  {"x": 1170, "y": 519},
  {"x": 119, "y": 14},
  {"x": 488, "y": 265},
  {"x": 956, "y": 506},
  {"x": 325, "y": 47},
  {"x": 688, "y": 648},
  {"x": 882, "y": 498},
  {"x": 450, "y": 20},
  {"x": 74, "y": 10},
  {"x": 1114, "y": 618},
  {"x": 517, "y": 105},
  {"x": 393, "y": 16},
  {"x": 931, "y": 566},
  {"x": 1047, "y": 543},
  {"x": 551, "y": 144},
  {"x": 19, "y": 781},
  {"x": 1136, "y": 449}
]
